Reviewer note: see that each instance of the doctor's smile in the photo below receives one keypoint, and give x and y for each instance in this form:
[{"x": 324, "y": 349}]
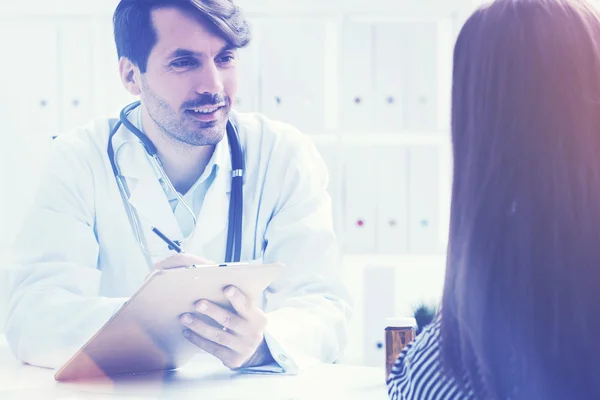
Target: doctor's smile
[
  {"x": 208, "y": 113},
  {"x": 208, "y": 108}
]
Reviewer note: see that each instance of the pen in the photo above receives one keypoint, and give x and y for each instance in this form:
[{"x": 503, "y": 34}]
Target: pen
[{"x": 171, "y": 243}]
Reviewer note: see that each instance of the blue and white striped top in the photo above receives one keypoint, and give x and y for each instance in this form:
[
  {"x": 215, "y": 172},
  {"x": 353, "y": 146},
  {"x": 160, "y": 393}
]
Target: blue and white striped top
[{"x": 417, "y": 373}]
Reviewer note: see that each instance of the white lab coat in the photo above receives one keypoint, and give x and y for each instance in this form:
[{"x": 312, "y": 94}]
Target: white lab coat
[{"x": 80, "y": 260}]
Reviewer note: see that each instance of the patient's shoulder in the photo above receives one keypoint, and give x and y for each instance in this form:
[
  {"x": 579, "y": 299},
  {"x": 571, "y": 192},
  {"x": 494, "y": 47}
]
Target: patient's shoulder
[{"x": 417, "y": 373}]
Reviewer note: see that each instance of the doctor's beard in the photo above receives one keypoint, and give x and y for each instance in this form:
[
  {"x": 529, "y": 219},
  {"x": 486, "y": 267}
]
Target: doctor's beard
[{"x": 183, "y": 126}]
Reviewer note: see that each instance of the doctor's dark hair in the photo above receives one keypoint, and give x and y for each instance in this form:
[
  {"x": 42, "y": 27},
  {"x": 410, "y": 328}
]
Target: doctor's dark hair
[
  {"x": 135, "y": 35},
  {"x": 520, "y": 315}
]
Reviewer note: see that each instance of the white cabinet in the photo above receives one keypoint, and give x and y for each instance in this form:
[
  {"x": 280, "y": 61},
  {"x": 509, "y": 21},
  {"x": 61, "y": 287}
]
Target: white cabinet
[
  {"x": 357, "y": 101},
  {"x": 360, "y": 169},
  {"x": 423, "y": 200},
  {"x": 292, "y": 65},
  {"x": 261, "y": 7},
  {"x": 76, "y": 73},
  {"x": 423, "y": 71},
  {"x": 396, "y": 75},
  {"x": 248, "y": 79},
  {"x": 379, "y": 304},
  {"x": 28, "y": 77},
  {"x": 392, "y": 200},
  {"x": 388, "y": 77},
  {"x": 422, "y": 8},
  {"x": 29, "y": 109}
]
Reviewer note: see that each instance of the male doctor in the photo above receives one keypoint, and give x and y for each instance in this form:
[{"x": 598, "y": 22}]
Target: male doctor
[{"x": 80, "y": 257}]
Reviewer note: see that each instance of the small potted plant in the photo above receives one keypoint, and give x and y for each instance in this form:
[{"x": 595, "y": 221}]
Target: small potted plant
[{"x": 424, "y": 314}]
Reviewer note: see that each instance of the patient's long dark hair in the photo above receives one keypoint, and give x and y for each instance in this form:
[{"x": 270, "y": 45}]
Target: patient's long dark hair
[{"x": 521, "y": 304}]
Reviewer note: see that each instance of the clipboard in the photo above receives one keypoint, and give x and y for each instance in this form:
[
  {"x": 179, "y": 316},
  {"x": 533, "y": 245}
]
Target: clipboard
[{"x": 145, "y": 335}]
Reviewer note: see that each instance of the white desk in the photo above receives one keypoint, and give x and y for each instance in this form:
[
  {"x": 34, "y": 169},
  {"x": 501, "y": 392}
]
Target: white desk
[{"x": 199, "y": 380}]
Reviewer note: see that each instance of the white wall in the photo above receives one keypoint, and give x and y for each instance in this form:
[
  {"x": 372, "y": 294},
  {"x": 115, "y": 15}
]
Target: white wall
[{"x": 372, "y": 89}]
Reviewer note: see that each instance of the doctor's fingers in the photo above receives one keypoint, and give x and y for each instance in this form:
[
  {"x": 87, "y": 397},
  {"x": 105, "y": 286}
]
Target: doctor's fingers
[
  {"x": 230, "y": 358},
  {"x": 224, "y": 317},
  {"x": 181, "y": 260},
  {"x": 218, "y": 336},
  {"x": 244, "y": 307}
]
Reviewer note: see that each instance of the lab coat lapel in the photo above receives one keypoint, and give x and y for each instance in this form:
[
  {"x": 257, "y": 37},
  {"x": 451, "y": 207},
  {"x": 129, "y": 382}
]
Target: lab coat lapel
[
  {"x": 213, "y": 216},
  {"x": 147, "y": 196},
  {"x": 152, "y": 206}
]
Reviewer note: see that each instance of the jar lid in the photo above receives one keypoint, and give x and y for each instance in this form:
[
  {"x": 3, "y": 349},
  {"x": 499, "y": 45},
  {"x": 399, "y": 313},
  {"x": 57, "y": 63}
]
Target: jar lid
[{"x": 401, "y": 322}]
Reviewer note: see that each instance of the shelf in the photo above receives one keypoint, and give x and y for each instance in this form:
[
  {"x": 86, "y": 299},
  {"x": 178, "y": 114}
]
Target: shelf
[{"x": 396, "y": 138}]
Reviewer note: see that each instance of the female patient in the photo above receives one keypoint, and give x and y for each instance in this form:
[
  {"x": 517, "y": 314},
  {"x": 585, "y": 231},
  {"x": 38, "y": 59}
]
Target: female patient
[{"x": 520, "y": 316}]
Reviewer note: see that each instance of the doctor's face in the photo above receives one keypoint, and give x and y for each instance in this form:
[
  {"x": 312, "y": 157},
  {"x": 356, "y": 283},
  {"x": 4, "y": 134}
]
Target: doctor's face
[{"x": 190, "y": 79}]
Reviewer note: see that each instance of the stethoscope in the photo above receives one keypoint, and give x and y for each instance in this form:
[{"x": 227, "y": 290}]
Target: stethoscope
[{"x": 234, "y": 232}]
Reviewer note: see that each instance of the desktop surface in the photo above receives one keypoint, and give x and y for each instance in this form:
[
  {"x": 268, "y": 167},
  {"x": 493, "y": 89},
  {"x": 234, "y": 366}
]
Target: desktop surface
[{"x": 202, "y": 378}]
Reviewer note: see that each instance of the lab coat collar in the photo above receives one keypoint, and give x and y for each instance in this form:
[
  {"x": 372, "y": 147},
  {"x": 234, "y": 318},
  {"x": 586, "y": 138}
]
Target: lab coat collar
[
  {"x": 152, "y": 204},
  {"x": 134, "y": 161},
  {"x": 130, "y": 156}
]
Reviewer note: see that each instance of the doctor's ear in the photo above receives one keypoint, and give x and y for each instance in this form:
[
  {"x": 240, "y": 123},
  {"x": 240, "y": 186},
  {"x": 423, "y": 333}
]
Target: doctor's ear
[{"x": 129, "y": 76}]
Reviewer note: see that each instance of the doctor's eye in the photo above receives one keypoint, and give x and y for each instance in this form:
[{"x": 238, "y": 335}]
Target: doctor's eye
[
  {"x": 184, "y": 63},
  {"x": 227, "y": 59}
]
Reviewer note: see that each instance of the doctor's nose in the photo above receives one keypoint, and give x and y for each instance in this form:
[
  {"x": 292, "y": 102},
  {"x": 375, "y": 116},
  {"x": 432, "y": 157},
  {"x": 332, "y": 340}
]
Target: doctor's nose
[{"x": 209, "y": 80}]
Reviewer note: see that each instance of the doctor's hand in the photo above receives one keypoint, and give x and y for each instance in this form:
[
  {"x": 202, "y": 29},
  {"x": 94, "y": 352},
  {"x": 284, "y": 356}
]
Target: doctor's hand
[
  {"x": 179, "y": 260},
  {"x": 240, "y": 342}
]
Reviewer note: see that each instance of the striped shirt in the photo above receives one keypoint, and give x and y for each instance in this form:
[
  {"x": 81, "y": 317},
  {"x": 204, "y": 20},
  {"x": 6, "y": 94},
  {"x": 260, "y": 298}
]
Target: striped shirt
[{"x": 417, "y": 373}]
